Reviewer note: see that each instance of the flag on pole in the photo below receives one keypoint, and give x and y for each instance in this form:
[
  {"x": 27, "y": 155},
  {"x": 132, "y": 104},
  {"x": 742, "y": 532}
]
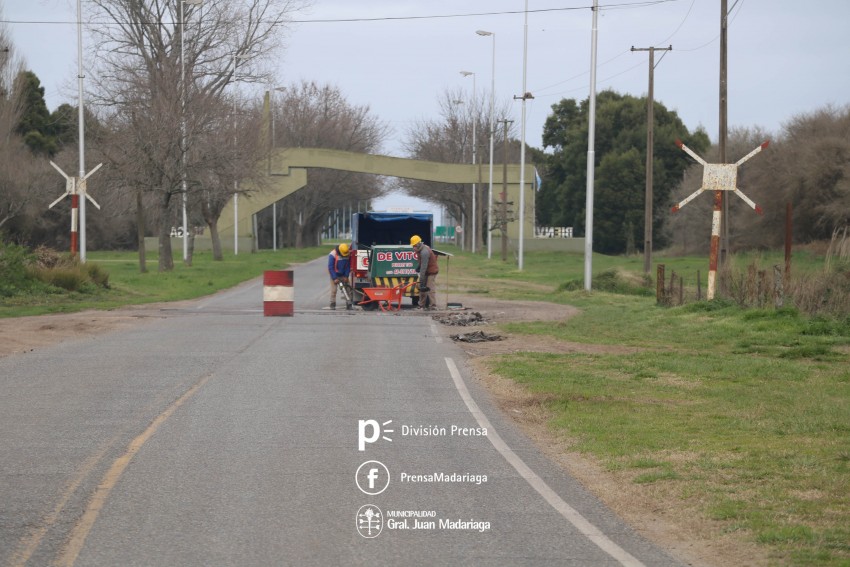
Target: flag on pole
[{"x": 537, "y": 180}]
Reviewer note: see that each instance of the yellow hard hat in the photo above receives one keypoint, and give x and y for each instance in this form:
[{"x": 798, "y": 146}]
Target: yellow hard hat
[
  {"x": 343, "y": 249},
  {"x": 414, "y": 240}
]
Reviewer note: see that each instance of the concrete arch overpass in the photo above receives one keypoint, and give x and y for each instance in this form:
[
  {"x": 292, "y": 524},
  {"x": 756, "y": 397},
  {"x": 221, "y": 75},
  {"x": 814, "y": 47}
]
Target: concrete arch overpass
[{"x": 288, "y": 170}]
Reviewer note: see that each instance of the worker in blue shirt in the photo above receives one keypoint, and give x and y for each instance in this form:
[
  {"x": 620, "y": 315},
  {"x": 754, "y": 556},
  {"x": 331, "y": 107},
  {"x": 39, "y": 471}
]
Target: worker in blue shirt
[{"x": 339, "y": 268}]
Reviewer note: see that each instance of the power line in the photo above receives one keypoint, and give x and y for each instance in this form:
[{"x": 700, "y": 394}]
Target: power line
[
  {"x": 613, "y": 6},
  {"x": 540, "y": 92}
]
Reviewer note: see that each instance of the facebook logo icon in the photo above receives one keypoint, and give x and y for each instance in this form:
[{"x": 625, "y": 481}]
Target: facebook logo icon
[
  {"x": 373, "y": 474},
  {"x": 372, "y": 477}
]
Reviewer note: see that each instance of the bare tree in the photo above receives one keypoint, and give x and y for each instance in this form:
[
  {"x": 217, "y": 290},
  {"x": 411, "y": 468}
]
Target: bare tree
[
  {"x": 228, "y": 162},
  {"x": 815, "y": 159},
  {"x": 159, "y": 73},
  {"x": 317, "y": 116},
  {"x": 448, "y": 139}
]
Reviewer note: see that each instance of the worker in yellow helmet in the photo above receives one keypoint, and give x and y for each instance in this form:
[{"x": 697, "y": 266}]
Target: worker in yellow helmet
[
  {"x": 428, "y": 270},
  {"x": 339, "y": 268}
]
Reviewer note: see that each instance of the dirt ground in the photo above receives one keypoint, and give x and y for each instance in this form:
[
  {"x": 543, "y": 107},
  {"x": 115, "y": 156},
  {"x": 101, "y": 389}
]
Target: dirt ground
[{"x": 657, "y": 512}]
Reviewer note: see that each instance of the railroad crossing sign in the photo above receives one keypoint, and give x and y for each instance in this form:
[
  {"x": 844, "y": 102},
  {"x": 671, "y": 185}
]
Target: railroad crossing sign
[
  {"x": 718, "y": 177},
  {"x": 75, "y": 186}
]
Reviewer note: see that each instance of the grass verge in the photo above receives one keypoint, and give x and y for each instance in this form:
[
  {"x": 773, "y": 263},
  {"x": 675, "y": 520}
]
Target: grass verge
[
  {"x": 128, "y": 286},
  {"x": 742, "y": 415}
]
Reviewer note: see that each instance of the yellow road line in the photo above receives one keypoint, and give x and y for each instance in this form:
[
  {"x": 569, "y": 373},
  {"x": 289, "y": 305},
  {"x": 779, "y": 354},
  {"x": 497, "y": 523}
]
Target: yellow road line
[
  {"x": 74, "y": 545},
  {"x": 30, "y": 543}
]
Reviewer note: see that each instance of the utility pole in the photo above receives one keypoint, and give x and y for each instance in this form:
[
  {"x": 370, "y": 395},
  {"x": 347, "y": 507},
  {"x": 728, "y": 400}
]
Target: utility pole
[
  {"x": 650, "y": 156},
  {"x": 721, "y": 138}
]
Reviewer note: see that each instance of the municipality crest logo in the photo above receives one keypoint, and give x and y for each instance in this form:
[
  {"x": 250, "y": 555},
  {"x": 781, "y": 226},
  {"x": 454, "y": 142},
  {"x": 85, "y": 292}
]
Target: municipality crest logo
[{"x": 370, "y": 521}]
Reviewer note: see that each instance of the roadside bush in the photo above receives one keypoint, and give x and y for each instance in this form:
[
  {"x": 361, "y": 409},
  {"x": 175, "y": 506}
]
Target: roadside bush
[
  {"x": 98, "y": 275},
  {"x": 15, "y": 275},
  {"x": 45, "y": 271},
  {"x": 46, "y": 257},
  {"x": 70, "y": 278}
]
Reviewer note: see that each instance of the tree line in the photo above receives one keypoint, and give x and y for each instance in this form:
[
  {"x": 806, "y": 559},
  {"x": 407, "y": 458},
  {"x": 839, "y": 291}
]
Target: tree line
[
  {"x": 807, "y": 164},
  {"x": 172, "y": 111}
]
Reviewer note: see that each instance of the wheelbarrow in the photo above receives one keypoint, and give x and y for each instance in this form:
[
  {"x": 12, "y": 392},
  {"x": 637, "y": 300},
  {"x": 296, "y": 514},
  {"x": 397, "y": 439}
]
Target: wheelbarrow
[{"x": 385, "y": 296}]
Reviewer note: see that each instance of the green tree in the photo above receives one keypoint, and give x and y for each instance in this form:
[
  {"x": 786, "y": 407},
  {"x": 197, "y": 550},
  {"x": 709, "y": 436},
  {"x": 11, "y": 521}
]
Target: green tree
[
  {"x": 618, "y": 208},
  {"x": 34, "y": 124},
  {"x": 620, "y": 158},
  {"x": 63, "y": 124}
]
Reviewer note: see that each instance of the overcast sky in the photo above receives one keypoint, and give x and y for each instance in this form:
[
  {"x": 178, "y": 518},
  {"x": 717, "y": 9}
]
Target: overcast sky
[{"x": 786, "y": 57}]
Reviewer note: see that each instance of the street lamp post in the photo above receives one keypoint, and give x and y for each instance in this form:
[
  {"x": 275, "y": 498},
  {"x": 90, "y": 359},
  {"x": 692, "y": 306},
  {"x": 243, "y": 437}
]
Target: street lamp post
[
  {"x": 591, "y": 156},
  {"x": 484, "y": 33},
  {"x": 183, "y": 181},
  {"x": 273, "y": 90},
  {"x": 236, "y": 59},
  {"x": 474, "y": 149},
  {"x": 525, "y": 95}
]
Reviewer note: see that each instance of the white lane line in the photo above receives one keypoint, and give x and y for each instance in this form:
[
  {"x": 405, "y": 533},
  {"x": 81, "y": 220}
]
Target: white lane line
[{"x": 572, "y": 515}]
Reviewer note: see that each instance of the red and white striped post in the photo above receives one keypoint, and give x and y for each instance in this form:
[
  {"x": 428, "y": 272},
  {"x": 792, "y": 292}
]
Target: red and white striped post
[
  {"x": 717, "y": 177},
  {"x": 75, "y": 222},
  {"x": 278, "y": 293}
]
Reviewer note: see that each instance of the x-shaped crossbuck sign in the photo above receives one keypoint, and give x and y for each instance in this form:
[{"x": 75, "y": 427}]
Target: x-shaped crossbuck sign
[
  {"x": 75, "y": 185},
  {"x": 719, "y": 177}
]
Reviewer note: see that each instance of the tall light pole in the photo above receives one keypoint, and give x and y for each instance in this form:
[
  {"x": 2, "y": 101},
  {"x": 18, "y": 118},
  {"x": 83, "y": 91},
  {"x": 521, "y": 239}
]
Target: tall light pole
[
  {"x": 591, "y": 156},
  {"x": 474, "y": 148},
  {"x": 236, "y": 58},
  {"x": 484, "y": 33},
  {"x": 183, "y": 181},
  {"x": 273, "y": 90},
  {"x": 525, "y": 95}
]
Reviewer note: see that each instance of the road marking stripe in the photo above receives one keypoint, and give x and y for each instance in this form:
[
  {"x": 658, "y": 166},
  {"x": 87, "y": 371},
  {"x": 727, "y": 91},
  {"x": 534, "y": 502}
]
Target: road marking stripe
[
  {"x": 572, "y": 515},
  {"x": 30, "y": 543},
  {"x": 75, "y": 542}
]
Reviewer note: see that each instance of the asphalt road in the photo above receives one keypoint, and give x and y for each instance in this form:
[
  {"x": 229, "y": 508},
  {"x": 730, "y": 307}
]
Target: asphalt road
[{"x": 216, "y": 436}]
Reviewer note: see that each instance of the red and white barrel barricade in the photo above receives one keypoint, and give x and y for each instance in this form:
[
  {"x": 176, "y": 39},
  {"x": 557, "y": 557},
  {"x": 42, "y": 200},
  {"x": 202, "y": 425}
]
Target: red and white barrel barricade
[{"x": 278, "y": 293}]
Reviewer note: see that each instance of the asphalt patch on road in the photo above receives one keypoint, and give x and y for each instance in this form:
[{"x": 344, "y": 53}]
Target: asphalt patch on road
[
  {"x": 467, "y": 319},
  {"x": 476, "y": 337},
  {"x": 461, "y": 319}
]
